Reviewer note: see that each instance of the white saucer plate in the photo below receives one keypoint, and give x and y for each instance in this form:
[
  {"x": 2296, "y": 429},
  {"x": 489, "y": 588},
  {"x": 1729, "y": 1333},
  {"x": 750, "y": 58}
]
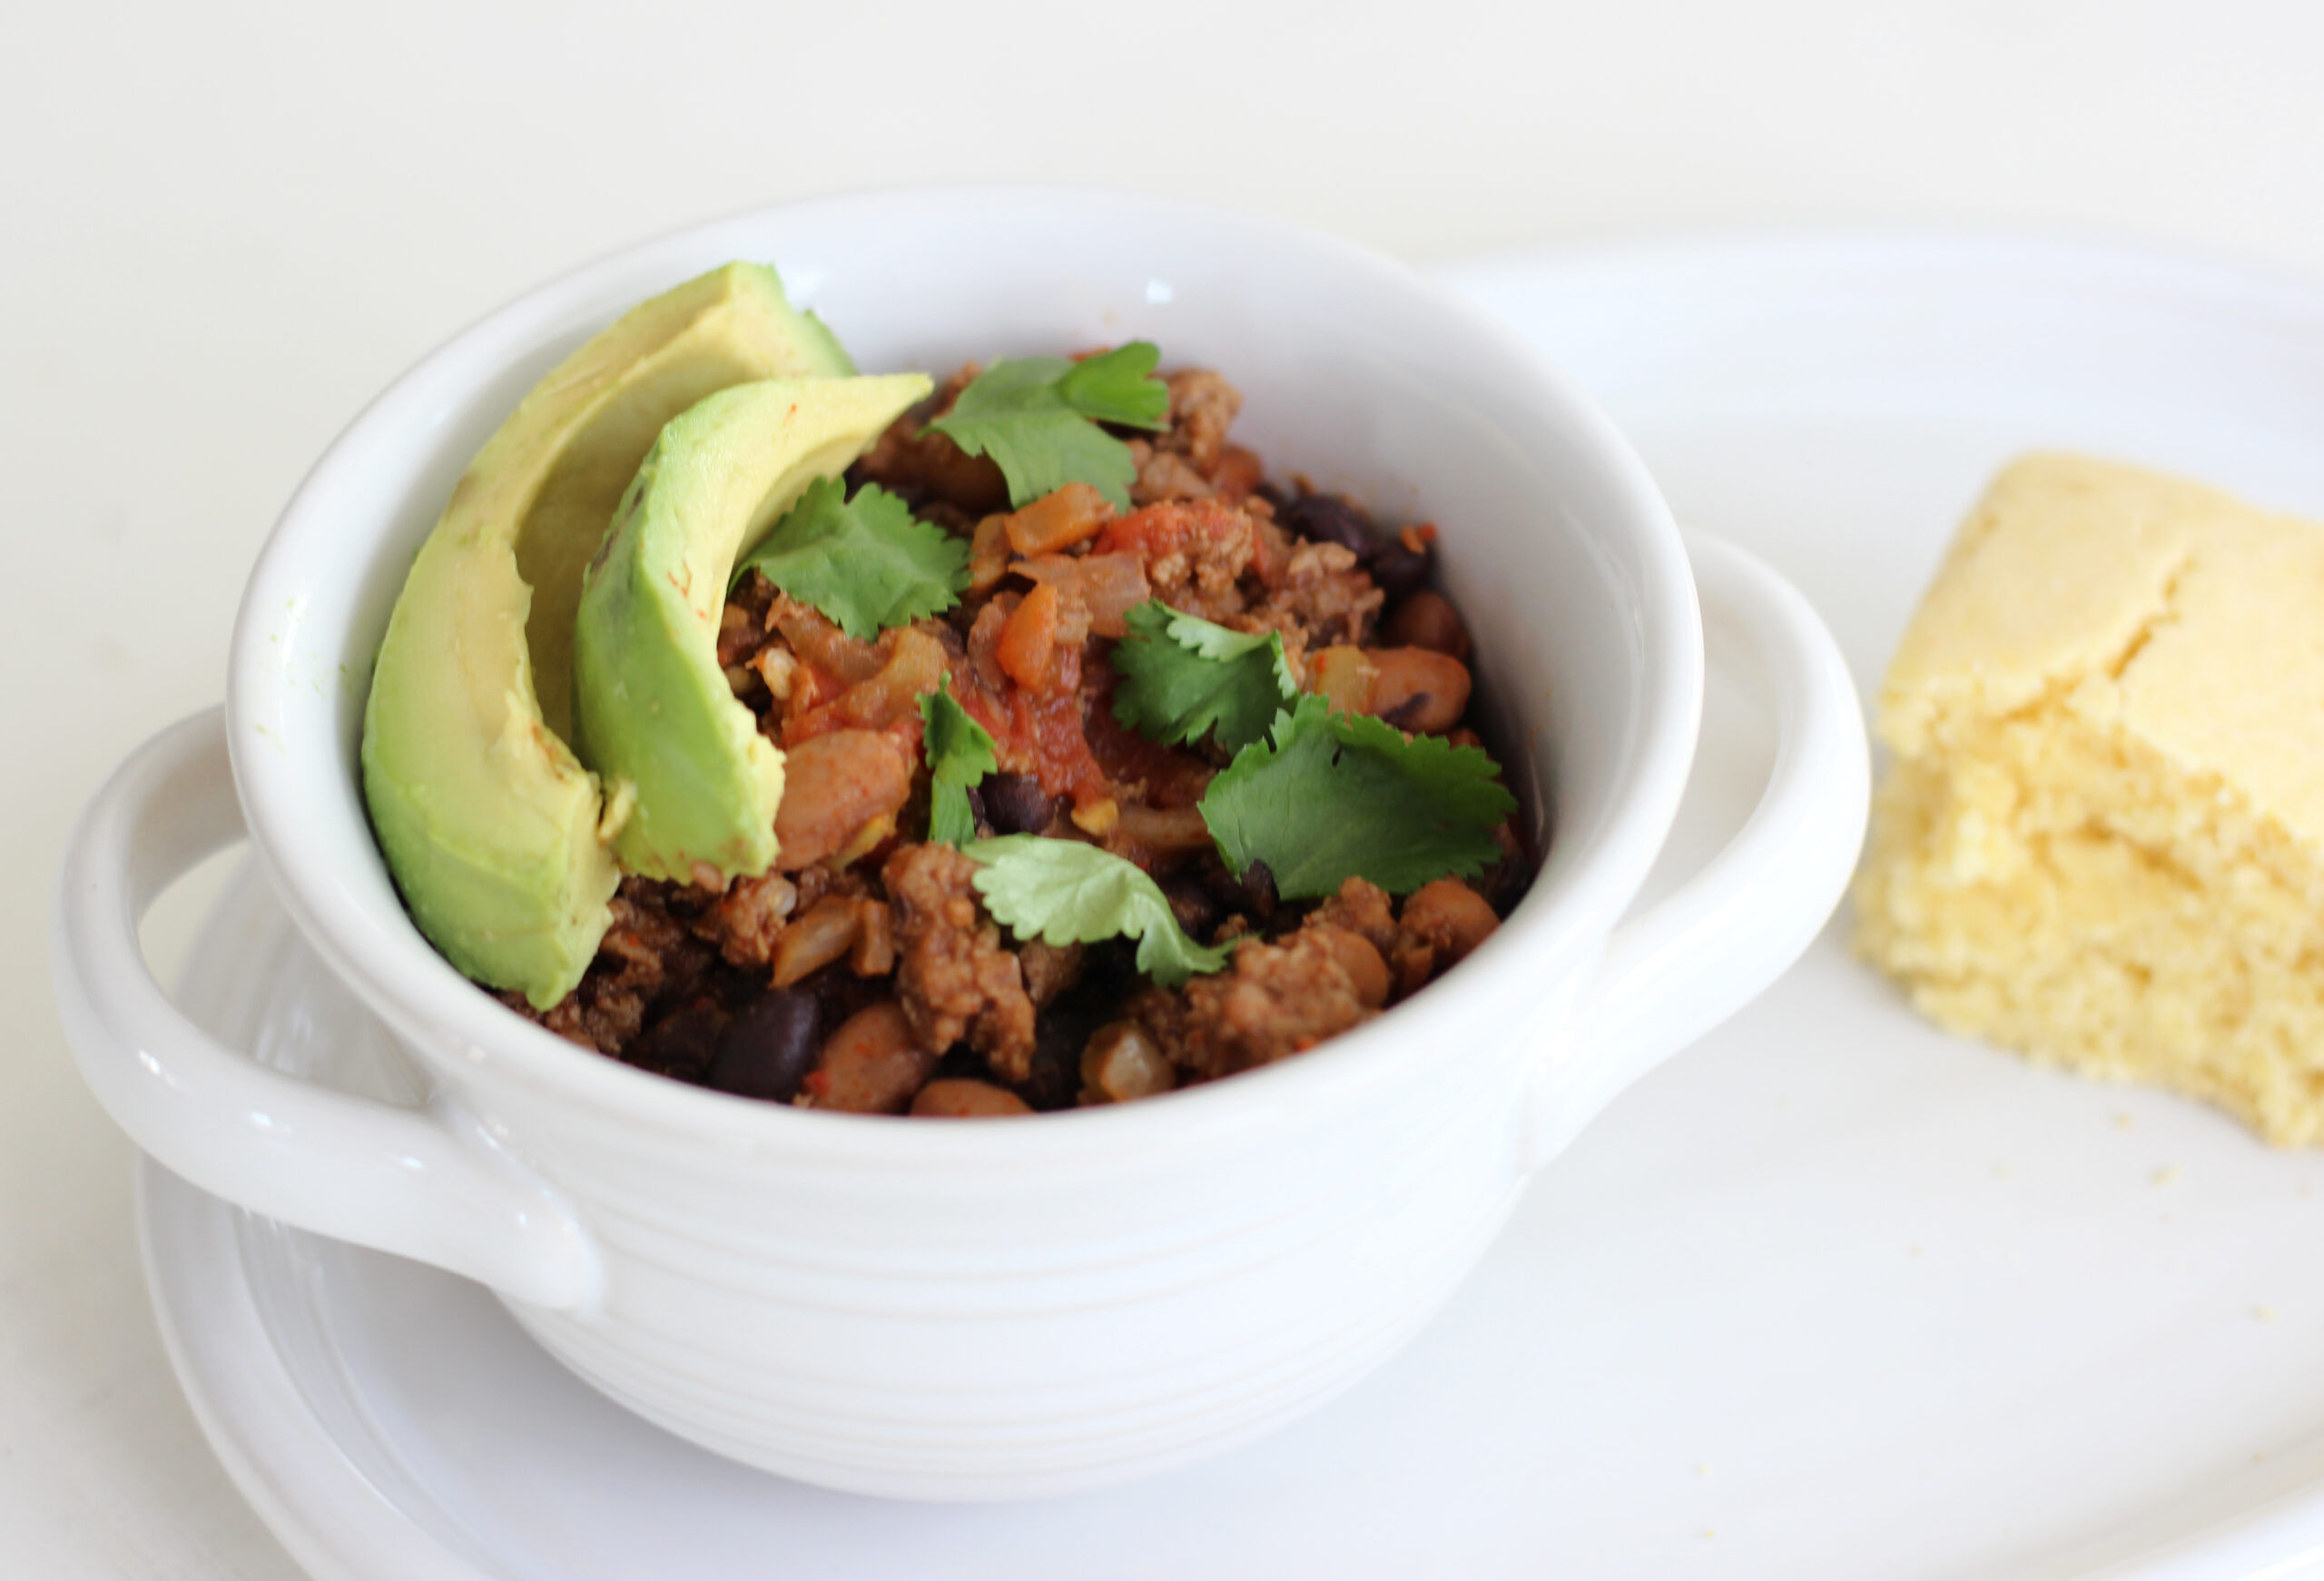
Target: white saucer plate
[{"x": 1832, "y": 1295}]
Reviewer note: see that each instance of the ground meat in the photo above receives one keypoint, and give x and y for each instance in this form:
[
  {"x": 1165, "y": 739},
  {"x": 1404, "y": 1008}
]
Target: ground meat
[
  {"x": 928, "y": 468},
  {"x": 1203, "y": 407},
  {"x": 745, "y": 921},
  {"x": 1323, "y": 596},
  {"x": 1275, "y": 1000},
  {"x": 645, "y": 956},
  {"x": 888, "y": 944},
  {"x": 953, "y": 976},
  {"x": 1165, "y": 475},
  {"x": 1194, "y": 552},
  {"x": 744, "y": 628},
  {"x": 1362, "y": 908},
  {"x": 740, "y": 636},
  {"x": 1049, "y": 970}
]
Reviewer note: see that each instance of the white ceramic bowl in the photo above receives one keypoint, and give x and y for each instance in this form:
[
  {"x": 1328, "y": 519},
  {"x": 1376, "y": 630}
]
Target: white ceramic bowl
[{"x": 995, "y": 1310}]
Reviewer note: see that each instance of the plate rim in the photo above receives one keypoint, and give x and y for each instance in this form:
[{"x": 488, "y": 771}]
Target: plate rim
[{"x": 337, "y": 1526}]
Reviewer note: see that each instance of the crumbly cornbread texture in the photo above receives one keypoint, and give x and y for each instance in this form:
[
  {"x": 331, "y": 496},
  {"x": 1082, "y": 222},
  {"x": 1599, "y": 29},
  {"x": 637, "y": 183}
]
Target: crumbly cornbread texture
[{"x": 2102, "y": 841}]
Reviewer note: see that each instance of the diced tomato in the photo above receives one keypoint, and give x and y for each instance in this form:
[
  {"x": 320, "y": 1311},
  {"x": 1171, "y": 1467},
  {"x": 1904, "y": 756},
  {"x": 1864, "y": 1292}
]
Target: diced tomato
[
  {"x": 1173, "y": 776},
  {"x": 1040, "y": 734},
  {"x": 1158, "y": 532}
]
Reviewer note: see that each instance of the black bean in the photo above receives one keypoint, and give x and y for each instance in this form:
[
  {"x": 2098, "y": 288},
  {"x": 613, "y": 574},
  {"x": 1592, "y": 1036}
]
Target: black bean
[
  {"x": 1506, "y": 881},
  {"x": 1258, "y": 883},
  {"x": 1398, "y": 571},
  {"x": 962, "y": 1063},
  {"x": 1328, "y": 519},
  {"x": 1016, "y": 803},
  {"x": 1251, "y": 895},
  {"x": 680, "y": 1043},
  {"x": 767, "y": 1050},
  {"x": 977, "y": 809},
  {"x": 1108, "y": 975},
  {"x": 1192, "y": 904},
  {"x": 1054, "y": 1081}
]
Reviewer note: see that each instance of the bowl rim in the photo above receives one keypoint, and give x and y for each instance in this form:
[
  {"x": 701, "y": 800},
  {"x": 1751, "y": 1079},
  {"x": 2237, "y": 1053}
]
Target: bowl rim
[{"x": 395, "y": 970}]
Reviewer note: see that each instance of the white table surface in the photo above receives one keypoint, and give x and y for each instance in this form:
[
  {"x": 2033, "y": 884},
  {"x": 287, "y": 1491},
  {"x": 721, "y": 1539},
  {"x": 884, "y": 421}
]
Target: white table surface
[{"x": 228, "y": 225}]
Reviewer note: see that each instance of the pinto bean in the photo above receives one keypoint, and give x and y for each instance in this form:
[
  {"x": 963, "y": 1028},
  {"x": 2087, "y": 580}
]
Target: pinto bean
[
  {"x": 1427, "y": 619},
  {"x": 1451, "y": 916},
  {"x": 1366, "y": 971},
  {"x": 870, "y": 1065},
  {"x": 1237, "y": 473},
  {"x": 833, "y": 787},
  {"x": 1419, "y": 690},
  {"x": 961, "y": 1099}
]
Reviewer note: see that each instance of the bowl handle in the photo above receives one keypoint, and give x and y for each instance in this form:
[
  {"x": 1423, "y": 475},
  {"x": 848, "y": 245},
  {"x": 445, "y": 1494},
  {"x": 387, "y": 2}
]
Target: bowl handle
[
  {"x": 1676, "y": 969},
  {"x": 426, "y": 1183}
]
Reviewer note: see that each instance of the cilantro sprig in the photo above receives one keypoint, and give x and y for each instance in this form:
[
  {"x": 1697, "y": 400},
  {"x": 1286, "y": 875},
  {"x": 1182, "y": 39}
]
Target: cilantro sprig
[
  {"x": 961, "y": 752},
  {"x": 1066, "y": 893},
  {"x": 1331, "y": 796},
  {"x": 866, "y": 562},
  {"x": 1038, "y": 417},
  {"x": 1182, "y": 677}
]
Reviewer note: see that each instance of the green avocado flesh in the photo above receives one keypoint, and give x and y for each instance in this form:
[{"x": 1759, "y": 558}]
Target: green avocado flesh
[
  {"x": 488, "y": 820},
  {"x": 691, "y": 781}
]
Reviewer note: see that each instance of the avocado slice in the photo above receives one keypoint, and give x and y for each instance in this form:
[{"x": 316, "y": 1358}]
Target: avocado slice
[
  {"x": 487, "y": 819},
  {"x": 692, "y": 781}
]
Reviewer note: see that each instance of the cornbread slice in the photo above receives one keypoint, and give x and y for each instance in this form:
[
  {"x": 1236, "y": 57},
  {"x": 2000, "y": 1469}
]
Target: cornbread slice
[{"x": 2102, "y": 841}]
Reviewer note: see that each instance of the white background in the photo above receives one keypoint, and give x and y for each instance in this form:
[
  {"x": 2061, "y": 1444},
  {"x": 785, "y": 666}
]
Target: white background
[{"x": 225, "y": 226}]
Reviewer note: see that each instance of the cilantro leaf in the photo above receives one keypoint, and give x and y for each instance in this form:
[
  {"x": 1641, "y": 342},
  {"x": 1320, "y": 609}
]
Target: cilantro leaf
[
  {"x": 1119, "y": 387},
  {"x": 1335, "y": 796},
  {"x": 1182, "y": 678},
  {"x": 1065, "y": 892},
  {"x": 960, "y": 753},
  {"x": 866, "y": 563},
  {"x": 1038, "y": 417}
]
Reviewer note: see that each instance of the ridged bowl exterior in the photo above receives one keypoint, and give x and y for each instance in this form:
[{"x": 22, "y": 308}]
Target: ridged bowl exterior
[{"x": 1021, "y": 1332}]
